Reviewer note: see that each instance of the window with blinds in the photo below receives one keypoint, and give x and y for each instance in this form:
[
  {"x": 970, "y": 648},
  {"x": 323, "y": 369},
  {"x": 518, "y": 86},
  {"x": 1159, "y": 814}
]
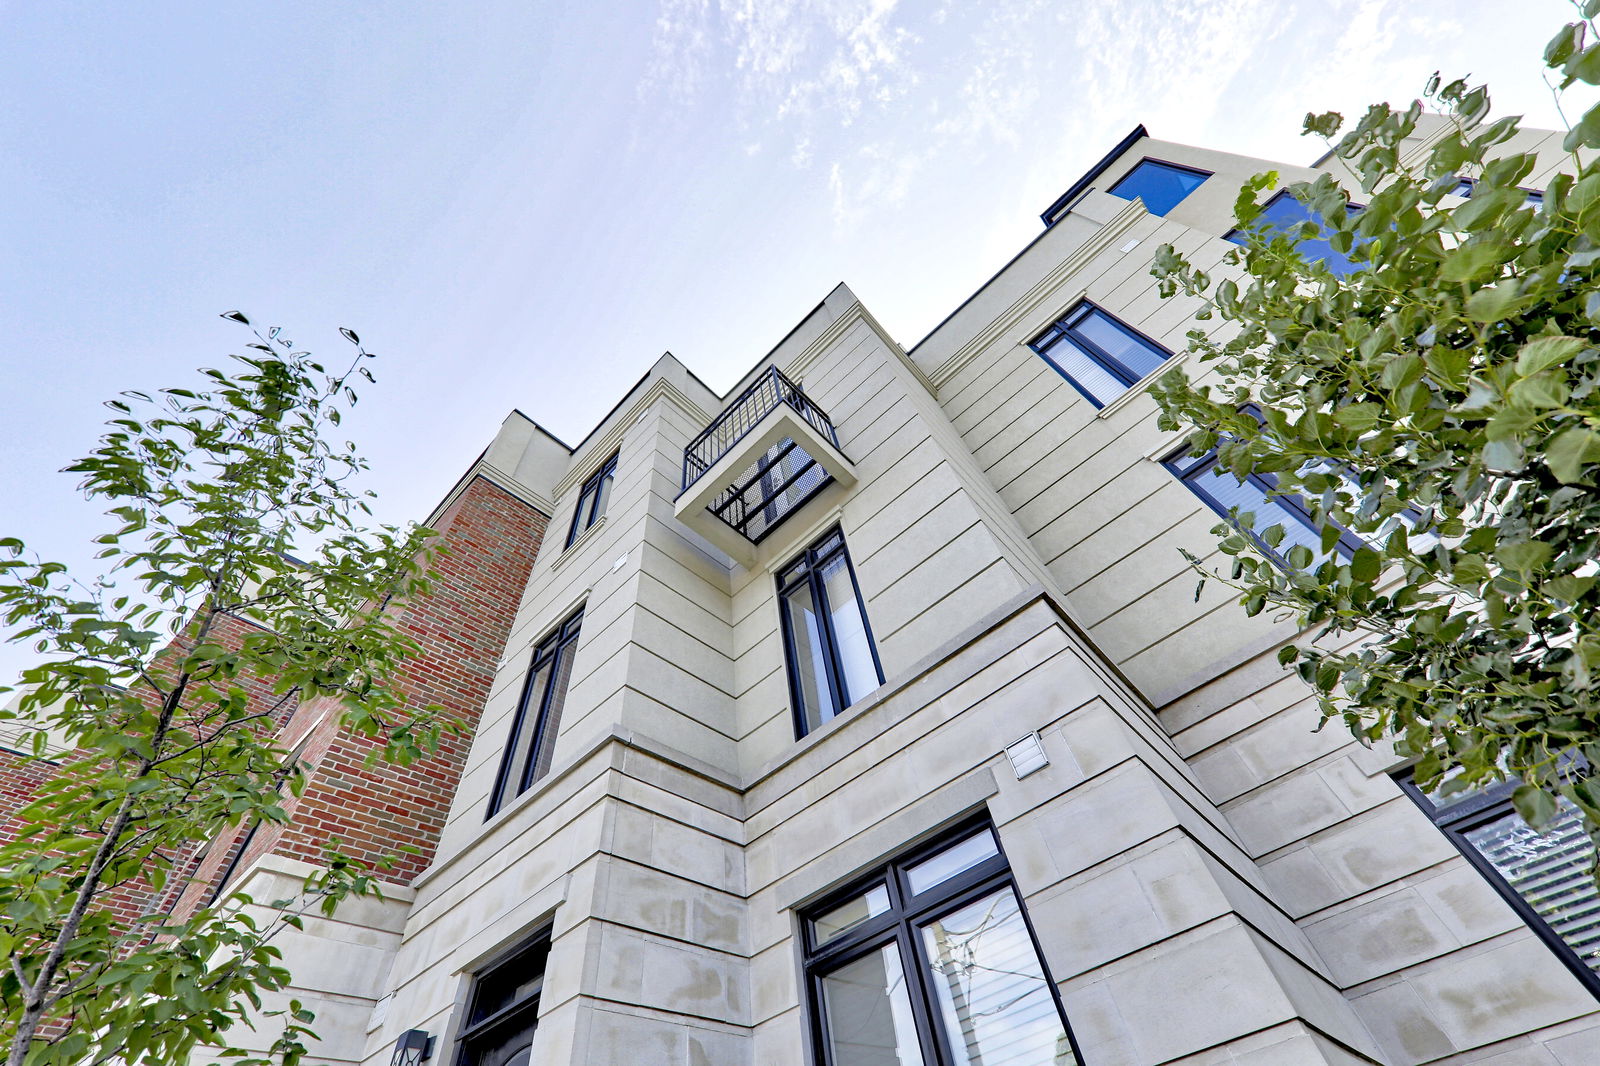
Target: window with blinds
[{"x": 1543, "y": 874}]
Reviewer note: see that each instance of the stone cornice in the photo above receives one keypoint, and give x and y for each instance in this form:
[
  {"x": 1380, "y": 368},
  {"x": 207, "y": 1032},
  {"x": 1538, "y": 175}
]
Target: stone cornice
[
  {"x": 501, "y": 479},
  {"x": 856, "y": 312},
  {"x": 1041, "y": 291},
  {"x": 660, "y": 390}
]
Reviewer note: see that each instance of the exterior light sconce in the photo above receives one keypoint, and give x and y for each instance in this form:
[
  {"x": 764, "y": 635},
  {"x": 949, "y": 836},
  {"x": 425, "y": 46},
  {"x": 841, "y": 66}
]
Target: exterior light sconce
[
  {"x": 1027, "y": 755},
  {"x": 413, "y": 1048}
]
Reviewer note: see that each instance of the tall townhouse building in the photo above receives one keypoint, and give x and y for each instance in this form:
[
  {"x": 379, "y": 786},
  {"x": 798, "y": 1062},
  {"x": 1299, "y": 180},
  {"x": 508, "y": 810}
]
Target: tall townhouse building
[{"x": 866, "y": 715}]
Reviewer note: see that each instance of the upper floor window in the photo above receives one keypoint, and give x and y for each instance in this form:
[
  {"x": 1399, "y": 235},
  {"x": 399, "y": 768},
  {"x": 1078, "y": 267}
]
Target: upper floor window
[
  {"x": 592, "y": 500},
  {"x": 1257, "y": 497},
  {"x": 1544, "y": 875},
  {"x": 831, "y": 658},
  {"x": 1162, "y": 186},
  {"x": 1464, "y": 187},
  {"x": 503, "y": 1008},
  {"x": 1285, "y": 214},
  {"x": 531, "y": 744},
  {"x": 1233, "y": 500},
  {"x": 930, "y": 962},
  {"x": 1099, "y": 355}
]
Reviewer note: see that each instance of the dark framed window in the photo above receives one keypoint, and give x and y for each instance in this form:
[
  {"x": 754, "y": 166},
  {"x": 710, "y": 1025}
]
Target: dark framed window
[
  {"x": 503, "y": 1009},
  {"x": 1098, "y": 355},
  {"x": 1544, "y": 876},
  {"x": 1286, "y": 215},
  {"x": 1464, "y": 188},
  {"x": 1254, "y": 497},
  {"x": 1162, "y": 186},
  {"x": 592, "y": 500},
  {"x": 931, "y": 962},
  {"x": 532, "y": 742},
  {"x": 1257, "y": 496},
  {"x": 827, "y": 644}
]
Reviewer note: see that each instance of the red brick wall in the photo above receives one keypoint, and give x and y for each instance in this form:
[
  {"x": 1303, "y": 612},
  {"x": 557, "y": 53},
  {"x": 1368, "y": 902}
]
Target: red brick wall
[
  {"x": 20, "y": 778},
  {"x": 489, "y": 540}
]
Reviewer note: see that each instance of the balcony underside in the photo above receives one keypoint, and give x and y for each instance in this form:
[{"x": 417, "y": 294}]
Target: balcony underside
[{"x": 771, "y": 473}]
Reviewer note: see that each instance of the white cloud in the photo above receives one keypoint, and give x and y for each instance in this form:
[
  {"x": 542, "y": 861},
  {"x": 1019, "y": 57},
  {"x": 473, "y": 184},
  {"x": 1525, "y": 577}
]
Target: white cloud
[{"x": 876, "y": 90}]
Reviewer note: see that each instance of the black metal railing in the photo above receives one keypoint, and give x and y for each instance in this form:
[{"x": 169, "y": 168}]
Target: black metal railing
[{"x": 765, "y": 395}]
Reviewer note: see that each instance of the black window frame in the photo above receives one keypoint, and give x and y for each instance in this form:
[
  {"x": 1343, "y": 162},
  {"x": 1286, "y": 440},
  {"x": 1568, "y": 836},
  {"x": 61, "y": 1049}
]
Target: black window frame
[
  {"x": 515, "y": 1017},
  {"x": 899, "y": 925},
  {"x": 1063, "y": 331},
  {"x": 1465, "y": 187},
  {"x": 1189, "y": 469},
  {"x": 1455, "y": 820},
  {"x": 1131, "y": 171},
  {"x": 589, "y": 499},
  {"x": 559, "y": 642},
  {"x": 811, "y": 561}
]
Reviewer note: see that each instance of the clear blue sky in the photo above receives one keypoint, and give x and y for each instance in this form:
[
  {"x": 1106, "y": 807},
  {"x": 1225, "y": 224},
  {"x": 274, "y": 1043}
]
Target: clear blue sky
[{"x": 524, "y": 204}]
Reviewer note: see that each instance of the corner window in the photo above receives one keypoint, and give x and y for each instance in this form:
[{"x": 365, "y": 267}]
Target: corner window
[
  {"x": 1253, "y": 498},
  {"x": 1100, "y": 356},
  {"x": 931, "y": 962},
  {"x": 1257, "y": 497},
  {"x": 592, "y": 500},
  {"x": 827, "y": 644},
  {"x": 533, "y": 730},
  {"x": 1285, "y": 215},
  {"x": 1544, "y": 876},
  {"x": 1162, "y": 186},
  {"x": 504, "y": 1006}
]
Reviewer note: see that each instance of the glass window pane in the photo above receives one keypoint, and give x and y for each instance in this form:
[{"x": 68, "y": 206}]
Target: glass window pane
[
  {"x": 809, "y": 667},
  {"x": 1227, "y": 492},
  {"x": 849, "y": 914},
  {"x": 1283, "y": 214},
  {"x": 602, "y": 496},
  {"x": 1551, "y": 872},
  {"x": 523, "y": 728},
  {"x": 993, "y": 997},
  {"x": 551, "y": 723},
  {"x": 517, "y": 979},
  {"x": 849, "y": 630},
  {"x": 1088, "y": 375},
  {"x": 579, "y": 520},
  {"x": 1136, "y": 354},
  {"x": 1160, "y": 185},
  {"x": 868, "y": 1013},
  {"x": 951, "y": 861}
]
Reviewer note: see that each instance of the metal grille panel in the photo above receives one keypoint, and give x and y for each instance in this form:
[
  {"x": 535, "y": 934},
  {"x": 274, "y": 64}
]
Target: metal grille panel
[
  {"x": 766, "y": 491},
  {"x": 777, "y": 482}
]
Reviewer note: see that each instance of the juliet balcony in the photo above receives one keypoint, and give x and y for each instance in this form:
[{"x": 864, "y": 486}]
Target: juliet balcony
[{"x": 764, "y": 458}]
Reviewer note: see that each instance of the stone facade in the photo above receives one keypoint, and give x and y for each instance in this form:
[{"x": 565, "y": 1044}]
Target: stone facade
[{"x": 1209, "y": 879}]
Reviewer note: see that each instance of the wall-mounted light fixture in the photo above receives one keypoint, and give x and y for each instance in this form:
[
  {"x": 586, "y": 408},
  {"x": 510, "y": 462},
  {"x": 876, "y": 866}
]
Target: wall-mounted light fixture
[{"x": 413, "y": 1048}]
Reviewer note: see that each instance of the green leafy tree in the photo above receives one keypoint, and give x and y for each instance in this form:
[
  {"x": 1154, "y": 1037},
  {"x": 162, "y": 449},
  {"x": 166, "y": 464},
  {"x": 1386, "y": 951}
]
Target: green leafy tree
[
  {"x": 1442, "y": 402},
  {"x": 211, "y": 489}
]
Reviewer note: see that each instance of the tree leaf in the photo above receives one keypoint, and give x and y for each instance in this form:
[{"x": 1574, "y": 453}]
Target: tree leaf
[
  {"x": 1473, "y": 261},
  {"x": 1564, "y": 44},
  {"x": 1545, "y": 352},
  {"x": 1570, "y": 451},
  {"x": 1495, "y": 302},
  {"x": 1535, "y": 805}
]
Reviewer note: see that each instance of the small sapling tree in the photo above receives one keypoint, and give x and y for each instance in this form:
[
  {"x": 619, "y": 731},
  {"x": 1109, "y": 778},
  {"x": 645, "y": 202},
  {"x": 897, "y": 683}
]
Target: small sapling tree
[{"x": 214, "y": 492}]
